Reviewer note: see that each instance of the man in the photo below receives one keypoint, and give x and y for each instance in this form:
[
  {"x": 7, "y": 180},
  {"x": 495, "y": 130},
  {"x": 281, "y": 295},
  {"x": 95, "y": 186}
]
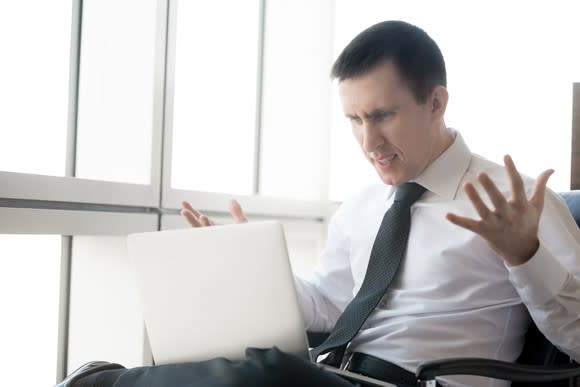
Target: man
[
  {"x": 460, "y": 291},
  {"x": 473, "y": 268}
]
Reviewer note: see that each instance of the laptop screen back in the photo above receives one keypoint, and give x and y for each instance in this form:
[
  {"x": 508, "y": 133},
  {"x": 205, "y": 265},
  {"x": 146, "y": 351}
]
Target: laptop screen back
[{"x": 214, "y": 291}]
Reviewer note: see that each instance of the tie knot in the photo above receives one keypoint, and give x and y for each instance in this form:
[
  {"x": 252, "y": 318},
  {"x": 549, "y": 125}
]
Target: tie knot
[{"x": 408, "y": 193}]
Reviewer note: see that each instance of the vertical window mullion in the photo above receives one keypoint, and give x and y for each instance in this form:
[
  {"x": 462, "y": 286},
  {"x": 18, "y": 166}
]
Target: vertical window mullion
[
  {"x": 75, "y": 50},
  {"x": 259, "y": 93},
  {"x": 160, "y": 97},
  {"x": 64, "y": 309},
  {"x": 66, "y": 257}
]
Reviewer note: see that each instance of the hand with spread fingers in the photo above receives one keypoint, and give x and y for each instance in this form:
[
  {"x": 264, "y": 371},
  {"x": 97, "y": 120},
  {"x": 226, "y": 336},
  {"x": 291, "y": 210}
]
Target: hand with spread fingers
[
  {"x": 197, "y": 219},
  {"x": 511, "y": 229}
]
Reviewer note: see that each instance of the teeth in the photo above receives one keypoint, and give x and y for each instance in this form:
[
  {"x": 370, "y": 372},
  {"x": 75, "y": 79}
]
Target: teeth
[{"x": 386, "y": 159}]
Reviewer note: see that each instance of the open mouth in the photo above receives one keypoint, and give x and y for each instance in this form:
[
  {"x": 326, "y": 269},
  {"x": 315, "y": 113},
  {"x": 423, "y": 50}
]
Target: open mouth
[{"x": 386, "y": 160}]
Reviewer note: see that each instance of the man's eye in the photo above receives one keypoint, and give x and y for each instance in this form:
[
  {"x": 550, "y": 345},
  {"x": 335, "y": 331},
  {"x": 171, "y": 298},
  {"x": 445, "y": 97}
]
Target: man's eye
[
  {"x": 355, "y": 120},
  {"x": 383, "y": 116}
]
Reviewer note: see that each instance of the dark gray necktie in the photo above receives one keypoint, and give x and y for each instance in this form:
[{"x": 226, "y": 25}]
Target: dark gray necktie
[{"x": 386, "y": 255}]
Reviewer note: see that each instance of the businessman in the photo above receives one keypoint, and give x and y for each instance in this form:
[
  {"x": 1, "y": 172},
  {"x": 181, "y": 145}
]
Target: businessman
[
  {"x": 487, "y": 247},
  {"x": 448, "y": 255}
]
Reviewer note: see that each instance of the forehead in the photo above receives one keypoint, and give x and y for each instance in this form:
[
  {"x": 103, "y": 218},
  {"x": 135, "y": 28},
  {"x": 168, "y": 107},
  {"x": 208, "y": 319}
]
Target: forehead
[{"x": 381, "y": 87}]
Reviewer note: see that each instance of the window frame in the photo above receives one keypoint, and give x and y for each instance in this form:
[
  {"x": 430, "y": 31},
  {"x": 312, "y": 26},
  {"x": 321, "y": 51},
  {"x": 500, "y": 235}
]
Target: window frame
[{"x": 65, "y": 205}]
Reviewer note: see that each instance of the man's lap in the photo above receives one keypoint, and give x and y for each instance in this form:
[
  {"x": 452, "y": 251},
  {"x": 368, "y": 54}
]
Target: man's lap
[{"x": 261, "y": 368}]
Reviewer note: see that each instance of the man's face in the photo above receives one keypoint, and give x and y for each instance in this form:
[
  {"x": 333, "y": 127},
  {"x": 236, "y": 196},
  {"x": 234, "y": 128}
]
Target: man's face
[{"x": 397, "y": 135}]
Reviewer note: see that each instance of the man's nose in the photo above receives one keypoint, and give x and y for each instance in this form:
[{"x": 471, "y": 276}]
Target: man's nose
[{"x": 372, "y": 137}]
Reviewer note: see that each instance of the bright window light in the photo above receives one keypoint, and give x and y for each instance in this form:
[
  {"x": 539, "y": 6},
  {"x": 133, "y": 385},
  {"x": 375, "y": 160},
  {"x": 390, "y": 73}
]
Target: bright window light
[
  {"x": 105, "y": 309},
  {"x": 215, "y": 96},
  {"x": 116, "y": 85},
  {"x": 295, "y": 108},
  {"x": 35, "y": 37},
  {"x": 29, "y": 293}
]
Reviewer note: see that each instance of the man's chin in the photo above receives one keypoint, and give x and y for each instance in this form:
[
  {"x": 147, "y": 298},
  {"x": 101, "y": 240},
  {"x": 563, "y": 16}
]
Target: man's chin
[{"x": 390, "y": 179}]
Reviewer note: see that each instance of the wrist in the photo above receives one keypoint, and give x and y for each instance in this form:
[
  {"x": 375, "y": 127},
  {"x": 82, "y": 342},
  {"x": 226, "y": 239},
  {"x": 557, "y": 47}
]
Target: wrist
[{"x": 524, "y": 255}]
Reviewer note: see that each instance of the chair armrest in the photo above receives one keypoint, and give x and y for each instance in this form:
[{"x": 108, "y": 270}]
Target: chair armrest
[{"x": 495, "y": 369}]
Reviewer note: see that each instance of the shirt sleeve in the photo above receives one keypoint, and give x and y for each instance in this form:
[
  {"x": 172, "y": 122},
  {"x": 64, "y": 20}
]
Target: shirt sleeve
[
  {"x": 549, "y": 283},
  {"x": 323, "y": 297}
]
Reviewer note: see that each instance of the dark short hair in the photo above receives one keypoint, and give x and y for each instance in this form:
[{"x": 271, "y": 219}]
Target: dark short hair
[{"x": 415, "y": 55}]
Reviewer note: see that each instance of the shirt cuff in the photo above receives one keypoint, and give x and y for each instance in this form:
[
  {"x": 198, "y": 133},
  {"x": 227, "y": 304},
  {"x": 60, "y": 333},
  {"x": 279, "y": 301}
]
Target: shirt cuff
[{"x": 540, "y": 279}]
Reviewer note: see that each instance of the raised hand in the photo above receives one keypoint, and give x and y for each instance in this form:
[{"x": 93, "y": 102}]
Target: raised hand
[
  {"x": 511, "y": 229},
  {"x": 196, "y": 219}
]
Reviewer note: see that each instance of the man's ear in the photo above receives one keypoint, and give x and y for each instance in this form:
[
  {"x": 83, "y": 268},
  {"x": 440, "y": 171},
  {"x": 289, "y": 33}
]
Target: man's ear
[{"x": 439, "y": 98}]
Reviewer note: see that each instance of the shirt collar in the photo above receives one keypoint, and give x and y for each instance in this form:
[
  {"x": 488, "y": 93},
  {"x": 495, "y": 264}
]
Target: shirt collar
[{"x": 443, "y": 176}]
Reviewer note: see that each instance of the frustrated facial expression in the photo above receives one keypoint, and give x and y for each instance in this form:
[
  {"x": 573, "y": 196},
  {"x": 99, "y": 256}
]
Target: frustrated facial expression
[{"x": 398, "y": 135}]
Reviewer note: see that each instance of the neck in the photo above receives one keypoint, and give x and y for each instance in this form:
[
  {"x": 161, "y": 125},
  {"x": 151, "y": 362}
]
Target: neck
[{"x": 445, "y": 138}]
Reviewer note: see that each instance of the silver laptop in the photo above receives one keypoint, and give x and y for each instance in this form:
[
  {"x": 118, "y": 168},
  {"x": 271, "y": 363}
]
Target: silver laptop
[{"x": 214, "y": 291}]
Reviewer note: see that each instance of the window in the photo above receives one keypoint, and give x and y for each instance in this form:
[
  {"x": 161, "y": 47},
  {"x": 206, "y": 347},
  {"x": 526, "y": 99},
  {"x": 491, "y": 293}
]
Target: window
[
  {"x": 214, "y": 105},
  {"x": 295, "y": 105},
  {"x": 116, "y": 90},
  {"x": 29, "y": 289},
  {"x": 34, "y": 74},
  {"x": 105, "y": 315}
]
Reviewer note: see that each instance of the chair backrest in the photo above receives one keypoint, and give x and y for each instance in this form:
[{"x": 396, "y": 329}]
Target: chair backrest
[
  {"x": 572, "y": 199},
  {"x": 537, "y": 349}
]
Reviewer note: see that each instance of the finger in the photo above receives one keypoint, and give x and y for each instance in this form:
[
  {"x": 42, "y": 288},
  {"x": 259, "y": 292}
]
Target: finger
[
  {"x": 236, "y": 211},
  {"x": 467, "y": 223},
  {"x": 499, "y": 201},
  {"x": 191, "y": 218},
  {"x": 204, "y": 220},
  {"x": 187, "y": 205},
  {"x": 516, "y": 182},
  {"x": 479, "y": 205},
  {"x": 539, "y": 191}
]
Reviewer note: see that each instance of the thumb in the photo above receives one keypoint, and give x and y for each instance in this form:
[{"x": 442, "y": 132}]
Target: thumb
[{"x": 236, "y": 211}]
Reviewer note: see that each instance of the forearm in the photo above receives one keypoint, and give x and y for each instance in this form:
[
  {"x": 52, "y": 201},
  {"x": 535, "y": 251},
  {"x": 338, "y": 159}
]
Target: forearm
[
  {"x": 559, "y": 318},
  {"x": 552, "y": 295},
  {"x": 319, "y": 313}
]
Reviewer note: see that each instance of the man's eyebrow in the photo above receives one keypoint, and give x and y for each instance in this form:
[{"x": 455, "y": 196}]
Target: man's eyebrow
[{"x": 378, "y": 113}]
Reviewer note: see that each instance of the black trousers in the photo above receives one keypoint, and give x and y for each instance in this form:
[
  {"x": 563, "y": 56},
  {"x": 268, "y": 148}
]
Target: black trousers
[{"x": 261, "y": 368}]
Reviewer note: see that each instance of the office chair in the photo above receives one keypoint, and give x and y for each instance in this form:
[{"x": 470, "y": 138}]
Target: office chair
[{"x": 540, "y": 364}]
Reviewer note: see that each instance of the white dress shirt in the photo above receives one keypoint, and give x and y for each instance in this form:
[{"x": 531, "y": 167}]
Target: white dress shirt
[{"x": 453, "y": 295}]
